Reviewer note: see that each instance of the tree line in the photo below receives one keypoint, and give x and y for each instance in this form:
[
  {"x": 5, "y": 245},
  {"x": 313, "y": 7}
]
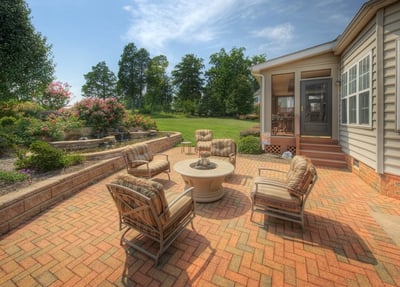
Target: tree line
[{"x": 142, "y": 82}]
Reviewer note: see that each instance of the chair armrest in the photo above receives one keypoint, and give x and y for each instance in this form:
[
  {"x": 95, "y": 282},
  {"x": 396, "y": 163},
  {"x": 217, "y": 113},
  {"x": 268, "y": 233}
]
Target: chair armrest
[
  {"x": 176, "y": 199},
  {"x": 162, "y": 154},
  {"x": 137, "y": 162}
]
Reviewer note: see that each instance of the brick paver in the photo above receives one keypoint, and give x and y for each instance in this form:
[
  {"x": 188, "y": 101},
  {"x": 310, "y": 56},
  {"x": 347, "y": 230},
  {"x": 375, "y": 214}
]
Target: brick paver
[{"x": 76, "y": 242}]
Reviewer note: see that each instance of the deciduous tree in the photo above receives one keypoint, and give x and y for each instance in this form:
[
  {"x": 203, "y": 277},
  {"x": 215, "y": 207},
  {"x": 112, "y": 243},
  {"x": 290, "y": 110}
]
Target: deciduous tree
[
  {"x": 230, "y": 85},
  {"x": 188, "y": 81},
  {"x": 100, "y": 82},
  {"x": 159, "y": 91},
  {"x": 26, "y": 62},
  {"x": 132, "y": 75}
]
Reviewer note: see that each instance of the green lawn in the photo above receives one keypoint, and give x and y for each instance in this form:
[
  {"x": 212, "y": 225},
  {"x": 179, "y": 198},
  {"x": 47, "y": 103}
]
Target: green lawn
[{"x": 221, "y": 127}]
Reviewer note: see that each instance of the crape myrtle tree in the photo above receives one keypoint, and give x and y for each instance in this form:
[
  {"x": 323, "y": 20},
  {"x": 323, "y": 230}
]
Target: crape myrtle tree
[
  {"x": 158, "y": 95},
  {"x": 230, "y": 86},
  {"x": 101, "y": 82},
  {"x": 188, "y": 82},
  {"x": 132, "y": 75},
  {"x": 26, "y": 62}
]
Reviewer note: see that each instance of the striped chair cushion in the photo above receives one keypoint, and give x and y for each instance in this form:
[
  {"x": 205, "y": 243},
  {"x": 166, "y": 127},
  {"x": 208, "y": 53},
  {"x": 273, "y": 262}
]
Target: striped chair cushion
[
  {"x": 150, "y": 189},
  {"x": 155, "y": 167},
  {"x": 300, "y": 175},
  {"x": 204, "y": 135},
  {"x": 222, "y": 147},
  {"x": 138, "y": 152},
  {"x": 274, "y": 196}
]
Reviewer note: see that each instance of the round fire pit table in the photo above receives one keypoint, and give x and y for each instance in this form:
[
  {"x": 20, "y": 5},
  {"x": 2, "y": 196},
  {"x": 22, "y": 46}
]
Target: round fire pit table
[{"x": 207, "y": 183}]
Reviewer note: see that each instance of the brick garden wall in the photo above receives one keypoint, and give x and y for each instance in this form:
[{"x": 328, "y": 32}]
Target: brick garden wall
[{"x": 18, "y": 207}]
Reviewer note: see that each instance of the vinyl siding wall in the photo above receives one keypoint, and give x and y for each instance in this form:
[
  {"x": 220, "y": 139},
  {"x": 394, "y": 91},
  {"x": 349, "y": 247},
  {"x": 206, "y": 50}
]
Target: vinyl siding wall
[
  {"x": 360, "y": 141},
  {"x": 391, "y": 143}
]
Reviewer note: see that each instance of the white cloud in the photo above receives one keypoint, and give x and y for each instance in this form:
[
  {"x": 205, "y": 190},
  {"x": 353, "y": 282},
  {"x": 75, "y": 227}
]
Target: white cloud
[
  {"x": 280, "y": 33},
  {"x": 154, "y": 24}
]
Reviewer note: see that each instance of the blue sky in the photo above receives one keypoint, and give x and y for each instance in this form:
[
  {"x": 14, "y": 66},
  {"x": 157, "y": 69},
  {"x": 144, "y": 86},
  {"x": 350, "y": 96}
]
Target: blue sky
[{"x": 86, "y": 32}]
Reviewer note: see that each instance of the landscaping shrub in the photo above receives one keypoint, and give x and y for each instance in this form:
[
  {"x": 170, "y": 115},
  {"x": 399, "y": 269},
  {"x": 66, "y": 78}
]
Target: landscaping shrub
[
  {"x": 100, "y": 114},
  {"x": 6, "y": 142},
  {"x": 249, "y": 145},
  {"x": 139, "y": 121},
  {"x": 13, "y": 176},
  {"x": 250, "y": 132},
  {"x": 42, "y": 157}
]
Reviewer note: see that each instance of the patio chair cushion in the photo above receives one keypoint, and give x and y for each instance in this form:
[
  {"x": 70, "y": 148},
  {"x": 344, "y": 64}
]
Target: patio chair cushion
[
  {"x": 152, "y": 190},
  {"x": 222, "y": 147},
  {"x": 138, "y": 152},
  {"x": 156, "y": 167},
  {"x": 274, "y": 195},
  {"x": 204, "y": 135},
  {"x": 299, "y": 176}
]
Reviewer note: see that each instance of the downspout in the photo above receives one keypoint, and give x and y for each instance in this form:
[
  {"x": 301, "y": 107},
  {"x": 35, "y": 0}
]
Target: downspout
[
  {"x": 262, "y": 106},
  {"x": 380, "y": 93}
]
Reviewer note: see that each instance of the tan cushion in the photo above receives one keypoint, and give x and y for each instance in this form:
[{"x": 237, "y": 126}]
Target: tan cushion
[
  {"x": 155, "y": 167},
  {"x": 222, "y": 147},
  {"x": 138, "y": 152},
  {"x": 204, "y": 146},
  {"x": 300, "y": 174},
  {"x": 182, "y": 208},
  {"x": 275, "y": 196},
  {"x": 204, "y": 135},
  {"x": 150, "y": 189}
]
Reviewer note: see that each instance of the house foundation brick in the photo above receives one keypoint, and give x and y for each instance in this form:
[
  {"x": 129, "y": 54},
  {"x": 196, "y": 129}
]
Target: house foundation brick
[{"x": 385, "y": 184}]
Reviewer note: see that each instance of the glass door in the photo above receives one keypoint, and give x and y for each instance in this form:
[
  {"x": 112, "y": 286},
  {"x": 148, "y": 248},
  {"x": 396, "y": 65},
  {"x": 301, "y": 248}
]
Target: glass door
[{"x": 316, "y": 107}]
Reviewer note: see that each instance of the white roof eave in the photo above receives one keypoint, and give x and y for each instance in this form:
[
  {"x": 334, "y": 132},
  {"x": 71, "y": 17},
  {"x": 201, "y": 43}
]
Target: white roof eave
[{"x": 303, "y": 54}]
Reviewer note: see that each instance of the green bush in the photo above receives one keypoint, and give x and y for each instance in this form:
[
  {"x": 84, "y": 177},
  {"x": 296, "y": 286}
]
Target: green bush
[
  {"x": 6, "y": 142},
  {"x": 41, "y": 157},
  {"x": 250, "y": 132},
  {"x": 249, "y": 145},
  {"x": 13, "y": 176},
  {"x": 72, "y": 159}
]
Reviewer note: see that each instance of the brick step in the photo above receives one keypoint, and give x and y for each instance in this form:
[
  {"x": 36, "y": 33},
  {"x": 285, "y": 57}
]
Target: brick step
[
  {"x": 317, "y": 140},
  {"x": 320, "y": 147},
  {"x": 328, "y": 154},
  {"x": 329, "y": 162}
]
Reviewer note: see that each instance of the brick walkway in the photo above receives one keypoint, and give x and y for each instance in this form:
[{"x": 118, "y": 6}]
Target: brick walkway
[{"x": 76, "y": 243}]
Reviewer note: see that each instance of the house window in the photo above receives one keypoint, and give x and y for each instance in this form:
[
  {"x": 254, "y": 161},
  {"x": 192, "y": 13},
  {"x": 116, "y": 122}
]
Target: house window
[
  {"x": 282, "y": 117},
  {"x": 356, "y": 93},
  {"x": 398, "y": 86}
]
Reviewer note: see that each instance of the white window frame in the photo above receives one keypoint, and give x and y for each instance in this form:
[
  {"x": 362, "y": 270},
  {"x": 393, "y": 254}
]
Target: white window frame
[
  {"x": 398, "y": 87},
  {"x": 347, "y": 94}
]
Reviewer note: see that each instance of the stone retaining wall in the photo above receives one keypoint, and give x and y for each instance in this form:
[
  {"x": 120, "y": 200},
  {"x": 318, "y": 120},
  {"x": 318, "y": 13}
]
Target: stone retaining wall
[{"x": 18, "y": 207}]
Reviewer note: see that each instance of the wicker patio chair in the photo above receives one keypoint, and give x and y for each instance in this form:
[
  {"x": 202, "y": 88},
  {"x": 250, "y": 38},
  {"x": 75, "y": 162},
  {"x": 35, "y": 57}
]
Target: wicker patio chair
[
  {"x": 203, "y": 140},
  {"x": 146, "y": 210},
  {"x": 141, "y": 162},
  {"x": 284, "y": 197}
]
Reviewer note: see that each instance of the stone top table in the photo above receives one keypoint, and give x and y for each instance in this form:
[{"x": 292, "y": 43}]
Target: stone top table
[{"x": 207, "y": 183}]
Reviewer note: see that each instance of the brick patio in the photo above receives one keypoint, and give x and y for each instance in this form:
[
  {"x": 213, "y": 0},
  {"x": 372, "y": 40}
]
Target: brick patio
[{"x": 352, "y": 238}]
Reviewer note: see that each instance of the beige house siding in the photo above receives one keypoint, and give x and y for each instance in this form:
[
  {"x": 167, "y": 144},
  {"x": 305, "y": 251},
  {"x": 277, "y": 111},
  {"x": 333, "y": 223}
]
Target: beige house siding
[
  {"x": 372, "y": 149},
  {"x": 391, "y": 28},
  {"x": 360, "y": 142},
  {"x": 325, "y": 61}
]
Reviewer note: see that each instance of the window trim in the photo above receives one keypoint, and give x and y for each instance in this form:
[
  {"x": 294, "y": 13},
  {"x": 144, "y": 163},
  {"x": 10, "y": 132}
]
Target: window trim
[
  {"x": 346, "y": 95},
  {"x": 398, "y": 87}
]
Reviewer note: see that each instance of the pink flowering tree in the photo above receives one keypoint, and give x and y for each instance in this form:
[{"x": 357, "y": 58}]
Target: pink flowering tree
[
  {"x": 56, "y": 96},
  {"x": 101, "y": 114}
]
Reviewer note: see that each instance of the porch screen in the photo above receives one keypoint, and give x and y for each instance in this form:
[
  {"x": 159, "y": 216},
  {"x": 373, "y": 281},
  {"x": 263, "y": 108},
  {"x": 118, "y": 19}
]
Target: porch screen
[{"x": 282, "y": 105}]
